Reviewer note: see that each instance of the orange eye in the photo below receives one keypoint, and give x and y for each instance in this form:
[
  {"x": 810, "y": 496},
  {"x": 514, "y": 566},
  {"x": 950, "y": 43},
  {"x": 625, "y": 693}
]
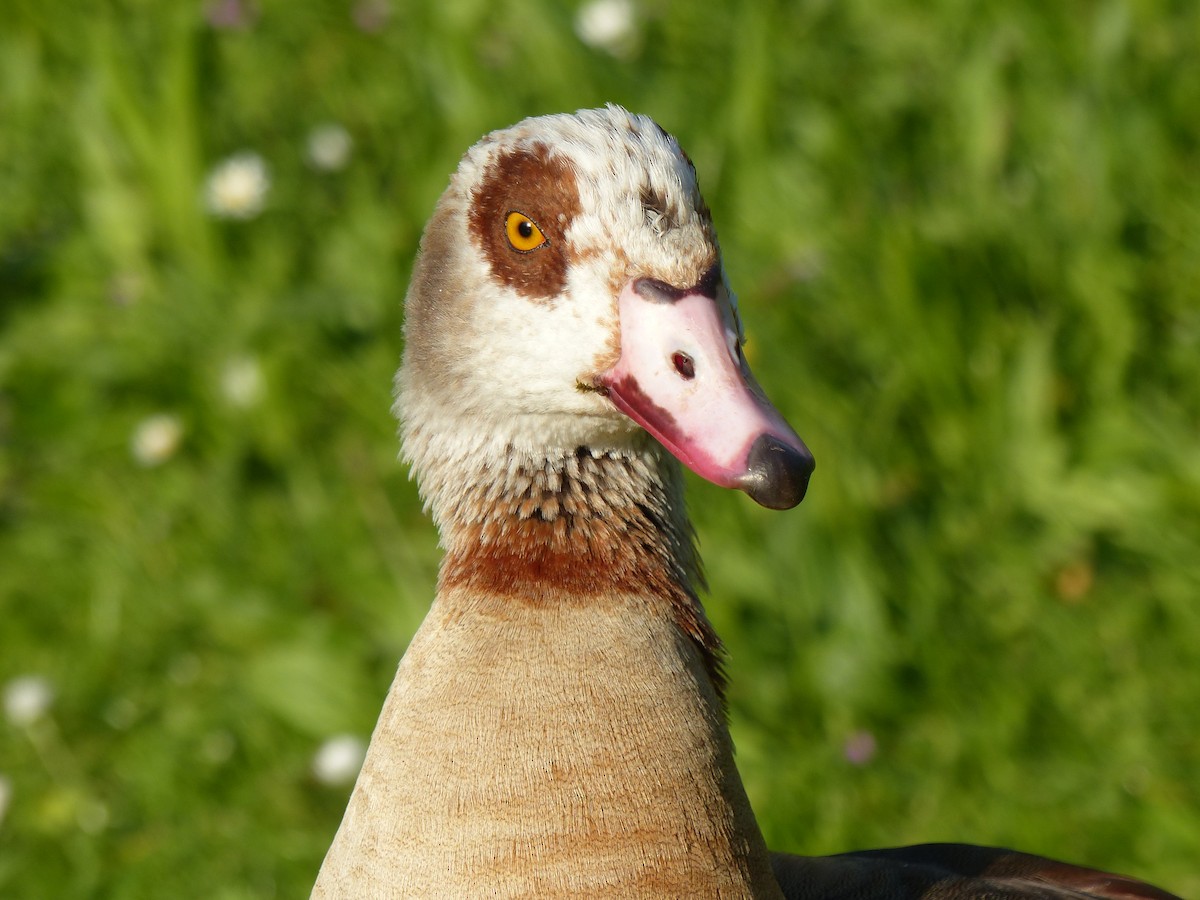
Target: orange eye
[{"x": 522, "y": 233}]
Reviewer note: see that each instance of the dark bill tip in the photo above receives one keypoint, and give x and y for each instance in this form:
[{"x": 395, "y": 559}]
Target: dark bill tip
[{"x": 777, "y": 473}]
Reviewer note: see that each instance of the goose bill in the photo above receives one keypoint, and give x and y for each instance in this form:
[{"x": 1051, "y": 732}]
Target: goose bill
[{"x": 682, "y": 377}]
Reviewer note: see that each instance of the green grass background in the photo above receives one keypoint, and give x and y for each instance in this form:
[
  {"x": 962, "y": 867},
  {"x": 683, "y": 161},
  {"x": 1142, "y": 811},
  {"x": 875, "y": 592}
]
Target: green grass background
[{"x": 966, "y": 238}]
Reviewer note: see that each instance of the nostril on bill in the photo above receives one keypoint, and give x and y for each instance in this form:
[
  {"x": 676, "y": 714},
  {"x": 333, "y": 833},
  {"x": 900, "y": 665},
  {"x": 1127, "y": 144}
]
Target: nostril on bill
[{"x": 684, "y": 365}]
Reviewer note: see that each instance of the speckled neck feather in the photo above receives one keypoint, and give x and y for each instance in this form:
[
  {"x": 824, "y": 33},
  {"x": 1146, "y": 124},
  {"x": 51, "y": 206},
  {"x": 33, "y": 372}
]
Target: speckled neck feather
[{"x": 579, "y": 527}]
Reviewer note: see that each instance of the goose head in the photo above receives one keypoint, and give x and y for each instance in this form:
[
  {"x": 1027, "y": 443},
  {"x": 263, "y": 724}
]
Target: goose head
[{"x": 569, "y": 293}]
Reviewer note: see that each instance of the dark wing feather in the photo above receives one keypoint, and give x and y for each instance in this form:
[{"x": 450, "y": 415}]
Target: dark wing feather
[{"x": 950, "y": 872}]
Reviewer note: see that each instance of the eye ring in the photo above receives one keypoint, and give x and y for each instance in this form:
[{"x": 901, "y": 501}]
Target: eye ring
[{"x": 522, "y": 232}]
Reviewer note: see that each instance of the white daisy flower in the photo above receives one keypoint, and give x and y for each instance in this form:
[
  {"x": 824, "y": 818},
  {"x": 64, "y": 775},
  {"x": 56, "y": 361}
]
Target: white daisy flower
[
  {"x": 607, "y": 25},
  {"x": 26, "y": 699},
  {"x": 242, "y": 382},
  {"x": 156, "y": 439},
  {"x": 92, "y": 816},
  {"x": 338, "y": 760},
  {"x": 328, "y": 147},
  {"x": 237, "y": 187}
]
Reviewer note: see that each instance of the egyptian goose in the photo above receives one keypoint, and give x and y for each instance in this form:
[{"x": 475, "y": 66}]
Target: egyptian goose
[{"x": 556, "y": 726}]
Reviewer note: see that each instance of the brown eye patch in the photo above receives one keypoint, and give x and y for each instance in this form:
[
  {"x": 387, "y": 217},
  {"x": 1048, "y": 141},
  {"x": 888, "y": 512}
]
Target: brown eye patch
[{"x": 542, "y": 186}]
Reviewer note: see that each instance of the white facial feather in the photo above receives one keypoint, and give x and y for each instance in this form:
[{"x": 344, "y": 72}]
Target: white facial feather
[{"x": 502, "y": 372}]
